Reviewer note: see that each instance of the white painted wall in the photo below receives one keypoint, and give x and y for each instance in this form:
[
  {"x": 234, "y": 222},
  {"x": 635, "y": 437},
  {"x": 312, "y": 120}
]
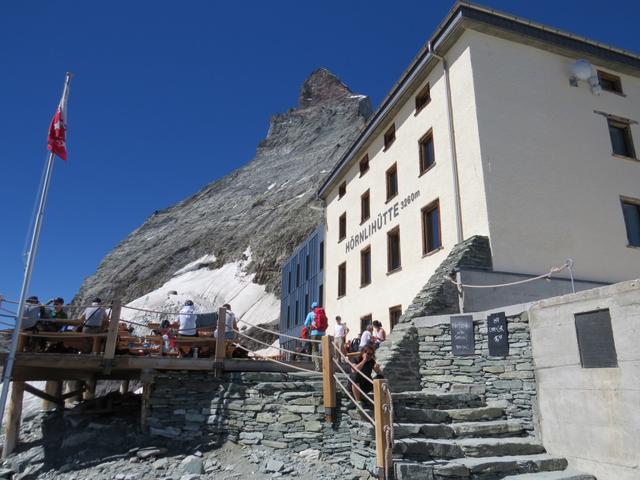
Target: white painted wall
[
  {"x": 399, "y": 288},
  {"x": 553, "y": 186},
  {"x": 590, "y": 416}
]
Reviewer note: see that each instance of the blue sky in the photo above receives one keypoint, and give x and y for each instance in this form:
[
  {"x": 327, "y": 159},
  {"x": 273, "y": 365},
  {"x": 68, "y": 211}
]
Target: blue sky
[{"x": 169, "y": 96}]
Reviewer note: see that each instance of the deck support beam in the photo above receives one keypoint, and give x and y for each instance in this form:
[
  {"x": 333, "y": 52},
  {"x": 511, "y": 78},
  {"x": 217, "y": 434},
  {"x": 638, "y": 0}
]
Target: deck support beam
[{"x": 14, "y": 418}]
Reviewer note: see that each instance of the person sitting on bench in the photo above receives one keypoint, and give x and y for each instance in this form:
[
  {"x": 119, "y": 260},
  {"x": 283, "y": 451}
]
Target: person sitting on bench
[{"x": 187, "y": 325}]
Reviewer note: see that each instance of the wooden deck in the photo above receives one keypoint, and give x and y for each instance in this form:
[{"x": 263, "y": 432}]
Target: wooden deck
[{"x": 62, "y": 366}]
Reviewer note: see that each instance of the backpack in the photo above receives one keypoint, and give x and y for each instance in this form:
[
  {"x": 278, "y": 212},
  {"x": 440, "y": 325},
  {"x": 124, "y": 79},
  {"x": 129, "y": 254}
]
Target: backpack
[
  {"x": 320, "y": 320},
  {"x": 304, "y": 333},
  {"x": 354, "y": 346}
]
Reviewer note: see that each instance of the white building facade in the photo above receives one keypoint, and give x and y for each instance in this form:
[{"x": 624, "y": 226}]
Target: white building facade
[{"x": 487, "y": 133}]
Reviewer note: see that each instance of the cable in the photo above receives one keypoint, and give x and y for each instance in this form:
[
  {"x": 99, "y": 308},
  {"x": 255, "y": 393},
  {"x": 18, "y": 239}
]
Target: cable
[
  {"x": 279, "y": 348},
  {"x": 354, "y": 401},
  {"x": 349, "y": 362},
  {"x": 279, "y": 334},
  {"x": 519, "y": 282},
  {"x": 274, "y": 360}
]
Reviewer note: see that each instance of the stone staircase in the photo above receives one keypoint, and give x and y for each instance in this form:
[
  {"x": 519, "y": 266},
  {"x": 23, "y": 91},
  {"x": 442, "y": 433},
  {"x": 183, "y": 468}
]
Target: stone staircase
[{"x": 455, "y": 436}]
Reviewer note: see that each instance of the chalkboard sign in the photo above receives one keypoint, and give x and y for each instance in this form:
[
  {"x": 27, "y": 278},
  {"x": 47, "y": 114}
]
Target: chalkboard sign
[
  {"x": 462, "y": 335},
  {"x": 498, "y": 335},
  {"x": 206, "y": 320}
]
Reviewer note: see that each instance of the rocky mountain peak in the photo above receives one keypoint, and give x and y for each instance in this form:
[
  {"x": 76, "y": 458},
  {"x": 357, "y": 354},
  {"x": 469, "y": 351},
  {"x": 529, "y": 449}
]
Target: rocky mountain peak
[{"x": 321, "y": 86}]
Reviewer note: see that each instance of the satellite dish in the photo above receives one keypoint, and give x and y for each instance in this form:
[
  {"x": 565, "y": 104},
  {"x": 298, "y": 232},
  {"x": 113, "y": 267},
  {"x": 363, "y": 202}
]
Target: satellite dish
[{"x": 582, "y": 70}]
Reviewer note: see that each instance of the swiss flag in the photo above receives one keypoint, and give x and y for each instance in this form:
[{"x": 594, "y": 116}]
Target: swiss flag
[{"x": 58, "y": 135}]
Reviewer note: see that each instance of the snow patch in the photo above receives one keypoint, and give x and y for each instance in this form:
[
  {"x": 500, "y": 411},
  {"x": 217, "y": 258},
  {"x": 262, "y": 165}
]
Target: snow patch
[
  {"x": 209, "y": 289},
  {"x": 301, "y": 195},
  {"x": 357, "y": 96},
  {"x": 271, "y": 186}
]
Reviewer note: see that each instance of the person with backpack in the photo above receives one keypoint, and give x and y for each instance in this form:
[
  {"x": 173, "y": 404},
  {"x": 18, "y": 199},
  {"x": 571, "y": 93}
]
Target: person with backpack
[{"x": 317, "y": 322}]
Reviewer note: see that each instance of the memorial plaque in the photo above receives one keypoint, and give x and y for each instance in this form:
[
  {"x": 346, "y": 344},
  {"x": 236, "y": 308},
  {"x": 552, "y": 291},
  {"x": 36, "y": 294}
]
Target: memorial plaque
[
  {"x": 595, "y": 340},
  {"x": 462, "y": 335},
  {"x": 498, "y": 335}
]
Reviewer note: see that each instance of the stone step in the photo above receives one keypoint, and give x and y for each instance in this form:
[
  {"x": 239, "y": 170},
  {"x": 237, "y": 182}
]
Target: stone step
[
  {"x": 475, "y": 468},
  {"x": 491, "y": 428},
  {"x": 436, "y": 399},
  {"x": 420, "y": 415},
  {"x": 431, "y": 449},
  {"x": 564, "y": 475}
]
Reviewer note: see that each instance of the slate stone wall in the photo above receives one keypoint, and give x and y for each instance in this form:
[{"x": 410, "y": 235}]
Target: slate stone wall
[
  {"x": 281, "y": 411},
  {"x": 509, "y": 380}
]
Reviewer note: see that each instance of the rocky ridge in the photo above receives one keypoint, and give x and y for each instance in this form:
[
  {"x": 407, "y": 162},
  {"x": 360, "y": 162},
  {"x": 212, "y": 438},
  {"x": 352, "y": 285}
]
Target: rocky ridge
[{"x": 265, "y": 207}]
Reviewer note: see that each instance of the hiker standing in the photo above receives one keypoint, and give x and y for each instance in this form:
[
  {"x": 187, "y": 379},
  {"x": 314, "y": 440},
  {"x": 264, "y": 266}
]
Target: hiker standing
[
  {"x": 340, "y": 331},
  {"x": 317, "y": 322}
]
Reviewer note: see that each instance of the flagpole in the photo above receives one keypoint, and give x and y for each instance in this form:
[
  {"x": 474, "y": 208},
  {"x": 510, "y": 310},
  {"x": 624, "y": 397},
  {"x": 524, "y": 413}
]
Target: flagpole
[{"x": 8, "y": 368}]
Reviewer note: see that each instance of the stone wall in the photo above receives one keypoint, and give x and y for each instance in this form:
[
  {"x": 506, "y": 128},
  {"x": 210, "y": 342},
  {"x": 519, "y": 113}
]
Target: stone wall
[
  {"x": 508, "y": 381},
  {"x": 281, "y": 411}
]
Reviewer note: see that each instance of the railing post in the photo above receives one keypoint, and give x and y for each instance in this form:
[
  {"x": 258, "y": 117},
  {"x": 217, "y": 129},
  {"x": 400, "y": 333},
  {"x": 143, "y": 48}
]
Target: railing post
[
  {"x": 221, "y": 346},
  {"x": 328, "y": 380},
  {"x": 381, "y": 418}
]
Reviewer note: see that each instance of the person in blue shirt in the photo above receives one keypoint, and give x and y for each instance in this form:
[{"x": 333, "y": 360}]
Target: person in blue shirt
[{"x": 315, "y": 335}]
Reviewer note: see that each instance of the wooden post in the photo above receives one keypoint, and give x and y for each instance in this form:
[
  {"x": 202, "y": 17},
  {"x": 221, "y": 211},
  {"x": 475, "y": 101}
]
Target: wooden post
[
  {"x": 90, "y": 390},
  {"x": 72, "y": 386},
  {"x": 14, "y": 416},
  {"x": 22, "y": 340},
  {"x": 221, "y": 348},
  {"x": 124, "y": 387},
  {"x": 147, "y": 384},
  {"x": 381, "y": 417},
  {"x": 328, "y": 380},
  {"x": 51, "y": 388},
  {"x": 112, "y": 336}
]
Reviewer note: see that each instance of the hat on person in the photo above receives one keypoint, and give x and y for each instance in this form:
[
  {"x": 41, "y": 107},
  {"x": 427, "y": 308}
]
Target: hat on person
[
  {"x": 314, "y": 305},
  {"x": 97, "y": 300},
  {"x": 32, "y": 299},
  {"x": 226, "y": 306},
  {"x": 58, "y": 301},
  {"x": 188, "y": 302}
]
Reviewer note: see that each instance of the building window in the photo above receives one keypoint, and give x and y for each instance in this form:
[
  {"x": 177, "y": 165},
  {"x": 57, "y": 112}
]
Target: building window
[
  {"x": 342, "y": 227},
  {"x": 321, "y": 255},
  {"x": 342, "y": 190},
  {"x": 392, "y": 182},
  {"x": 364, "y": 321},
  {"x": 631, "y": 212},
  {"x": 297, "y": 314},
  {"x": 365, "y": 211},
  {"x": 288, "y": 316},
  {"x": 289, "y": 282},
  {"x": 365, "y": 266},
  {"x": 427, "y": 155},
  {"x": 394, "y": 315},
  {"x": 306, "y": 302},
  {"x": 423, "y": 98},
  {"x": 609, "y": 82},
  {"x": 342, "y": 279},
  {"x": 393, "y": 250},
  {"x": 320, "y": 295},
  {"x": 431, "y": 239},
  {"x": 307, "y": 267},
  {"x": 389, "y": 136},
  {"x": 364, "y": 165},
  {"x": 621, "y": 141},
  {"x": 297, "y": 275}
]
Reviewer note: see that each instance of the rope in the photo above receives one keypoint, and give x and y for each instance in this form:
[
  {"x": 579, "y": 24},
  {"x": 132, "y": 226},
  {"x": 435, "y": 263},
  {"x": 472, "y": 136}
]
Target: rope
[
  {"x": 354, "y": 383},
  {"x": 280, "y": 334},
  {"x": 519, "y": 282},
  {"x": 279, "y": 348},
  {"x": 371, "y": 420},
  {"x": 62, "y": 335},
  {"x": 388, "y": 429},
  {"x": 274, "y": 360}
]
